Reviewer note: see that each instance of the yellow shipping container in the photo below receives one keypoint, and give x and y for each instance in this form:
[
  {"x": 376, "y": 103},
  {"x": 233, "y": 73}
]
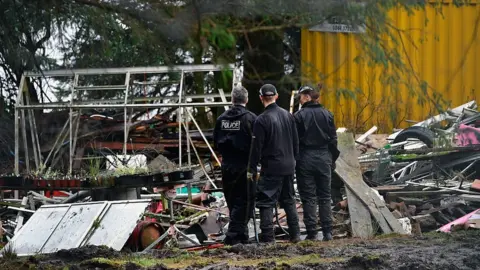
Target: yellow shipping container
[{"x": 444, "y": 52}]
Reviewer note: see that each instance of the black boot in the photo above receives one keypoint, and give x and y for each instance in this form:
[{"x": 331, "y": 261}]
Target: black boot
[
  {"x": 292, "y": 221},
  {"x": 266, "y": 225},
  {"x": 327, "y": 234},
  {"x": 311, "y": 235},
  {"x": 325, "y": 211}
]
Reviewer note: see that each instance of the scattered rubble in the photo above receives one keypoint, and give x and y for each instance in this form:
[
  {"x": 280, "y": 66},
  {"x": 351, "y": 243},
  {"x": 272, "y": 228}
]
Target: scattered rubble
[
  {"x": 428, "y": 172},
  {"x": 422, "y": 179}
]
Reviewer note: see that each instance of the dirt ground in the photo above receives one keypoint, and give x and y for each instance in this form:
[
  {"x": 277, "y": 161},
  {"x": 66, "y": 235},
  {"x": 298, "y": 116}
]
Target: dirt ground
[{"x": 430, "y": 251}]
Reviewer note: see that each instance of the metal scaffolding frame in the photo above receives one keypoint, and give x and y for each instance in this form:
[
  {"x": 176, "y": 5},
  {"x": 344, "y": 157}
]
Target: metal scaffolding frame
[{"x": 182, "y": 105}]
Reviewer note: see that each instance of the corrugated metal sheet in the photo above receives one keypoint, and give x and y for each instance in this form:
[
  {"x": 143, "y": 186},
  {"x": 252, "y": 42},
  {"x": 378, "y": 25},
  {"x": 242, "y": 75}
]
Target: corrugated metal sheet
[{"x": 443, "y": 52}]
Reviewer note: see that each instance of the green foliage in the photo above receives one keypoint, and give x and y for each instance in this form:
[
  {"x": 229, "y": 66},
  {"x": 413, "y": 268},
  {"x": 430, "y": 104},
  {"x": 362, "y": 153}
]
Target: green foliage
[
  {"x": 47, "y": 173},
  {"x": 94, "y": 167},
  {"x": 219, "y": 36},
  {"x": 8, "y": 252}
]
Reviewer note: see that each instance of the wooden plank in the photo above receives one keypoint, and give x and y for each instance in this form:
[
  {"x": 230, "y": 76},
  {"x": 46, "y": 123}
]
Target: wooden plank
[
  {"x": 361, "y": 220},
  {"x": 359, "y": 217},
  {"x": 387, "y": 215},
  {"x": 351, "y": 179},
  {"x": 348, "y": 168},
  {"x": 390, "y": 188}
]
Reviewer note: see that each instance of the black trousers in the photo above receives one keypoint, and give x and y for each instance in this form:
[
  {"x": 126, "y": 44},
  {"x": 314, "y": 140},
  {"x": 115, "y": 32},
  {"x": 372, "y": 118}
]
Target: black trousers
[
  {"x": 314, "y": 173},
  {"x": 270, "y": 190},
  {"x": 239, "y": 201}
]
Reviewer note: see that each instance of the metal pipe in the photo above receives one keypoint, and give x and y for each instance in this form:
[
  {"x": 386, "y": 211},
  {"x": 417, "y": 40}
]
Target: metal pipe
[
  {"x": 142, "y": 99},
  {"x": 203, "y": 136},
  {"x": 179, "y": 116},
  {"x": 462, "y": 172},
  {"x": 121, "y": 106},
  {"x": 17, "y": 125},
  {"x": 77, "y": 196},
  {"x": 126, "y": 128},
  {"x": 31, "y": 116},
  {"x": 21, "y": 209},
  {"x": 36, "y": 136},
  {"x": 199, "y": 207},
  {"x": 187, "y": 133},
  {"x": 132, "y": 70},
  {"x": 200, "y": 160},
  {"x": 25, "y": 143},
  {"x": 17, "y": 148},
  {"x": 59, "y": 136},
  {"x": 70, "y": 125},
  {"x": 75, "y": 138}
]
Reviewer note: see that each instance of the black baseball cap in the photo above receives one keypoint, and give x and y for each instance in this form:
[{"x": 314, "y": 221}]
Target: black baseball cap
[
  {"x": 305, "y": 90},
  {"x": 308, "y": 90},
  {"x": 268, "y": 90}
]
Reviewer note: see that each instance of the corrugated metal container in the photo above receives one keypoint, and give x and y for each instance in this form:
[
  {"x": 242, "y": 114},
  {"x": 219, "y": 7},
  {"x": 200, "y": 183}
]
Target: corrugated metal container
[{"x": 444, "y": 52}]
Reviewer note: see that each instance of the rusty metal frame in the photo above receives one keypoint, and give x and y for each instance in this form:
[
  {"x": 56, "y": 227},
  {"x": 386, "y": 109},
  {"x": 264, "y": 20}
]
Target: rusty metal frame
[{"x": 181, "y": 104}]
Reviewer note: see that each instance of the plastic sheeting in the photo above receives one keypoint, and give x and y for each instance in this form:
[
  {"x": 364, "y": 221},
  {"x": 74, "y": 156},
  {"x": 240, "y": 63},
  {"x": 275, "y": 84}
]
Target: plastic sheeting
[{"x": 471, "y": 220}]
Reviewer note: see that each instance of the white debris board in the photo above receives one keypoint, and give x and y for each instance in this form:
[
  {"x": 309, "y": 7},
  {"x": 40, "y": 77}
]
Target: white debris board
[{"x": 65, "y": 226}]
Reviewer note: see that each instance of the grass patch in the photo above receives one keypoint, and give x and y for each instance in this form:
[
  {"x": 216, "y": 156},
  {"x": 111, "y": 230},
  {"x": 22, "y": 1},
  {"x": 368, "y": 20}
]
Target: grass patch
[
  {"x": 116, "y": 263},
  {"x": 8, "y": 253},
  {"x": 307, "y": 243},
  {"x": 304, "y": 259},
  {"x": 143, "y": 261},
  {"x": 390, "y": 236},
  {"x": 189, "y": 259}
]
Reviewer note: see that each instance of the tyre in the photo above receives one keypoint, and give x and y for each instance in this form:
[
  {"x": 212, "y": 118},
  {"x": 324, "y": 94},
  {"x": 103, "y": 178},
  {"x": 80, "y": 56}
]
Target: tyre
[{"x": 423, "y": 134}]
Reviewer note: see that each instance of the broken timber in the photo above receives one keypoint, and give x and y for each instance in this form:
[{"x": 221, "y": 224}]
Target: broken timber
[{"x": 364, "y": 204}]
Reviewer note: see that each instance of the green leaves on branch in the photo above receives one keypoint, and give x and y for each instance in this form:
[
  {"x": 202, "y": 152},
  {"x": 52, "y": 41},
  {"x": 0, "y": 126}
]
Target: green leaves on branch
[{"x": 218, "y": 36}]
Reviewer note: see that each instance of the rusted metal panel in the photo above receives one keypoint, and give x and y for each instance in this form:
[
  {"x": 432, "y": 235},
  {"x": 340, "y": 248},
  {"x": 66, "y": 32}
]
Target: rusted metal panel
[{"x": 442, "y": 49}]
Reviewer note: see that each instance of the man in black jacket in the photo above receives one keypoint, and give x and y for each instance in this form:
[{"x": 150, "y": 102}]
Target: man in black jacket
[
  {"x": 275, "y": 148},
  {"x": 232, "y": 138},
  {"x": 318, "y": 142}
]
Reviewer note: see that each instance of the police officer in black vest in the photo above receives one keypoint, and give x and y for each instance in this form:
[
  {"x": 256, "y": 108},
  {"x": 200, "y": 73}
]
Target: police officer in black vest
[
  {"x": 275, "y": 148},
  {"x": 232, "y": 138},
  {"x": 315, "y": 162}
]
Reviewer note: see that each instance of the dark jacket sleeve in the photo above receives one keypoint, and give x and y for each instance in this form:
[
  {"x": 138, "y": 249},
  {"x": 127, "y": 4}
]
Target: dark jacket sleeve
[
  {"x": 259, "y": 133},
  {"x": 295, "y": 138},
  {"x": 215, "y": 134},
  {"x": 251, "y": 121},
  {"x": 299, "y": 124},
  {"x": 332, "y": 129}
]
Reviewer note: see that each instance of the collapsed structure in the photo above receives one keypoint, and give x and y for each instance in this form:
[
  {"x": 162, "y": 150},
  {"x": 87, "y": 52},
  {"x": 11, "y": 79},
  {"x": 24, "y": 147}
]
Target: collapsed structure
[{"x": 133, "y": 169}]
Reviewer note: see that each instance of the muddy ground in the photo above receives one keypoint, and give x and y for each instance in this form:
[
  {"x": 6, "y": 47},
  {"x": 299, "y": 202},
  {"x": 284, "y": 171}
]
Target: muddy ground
[{"x": 431, "y": 251}]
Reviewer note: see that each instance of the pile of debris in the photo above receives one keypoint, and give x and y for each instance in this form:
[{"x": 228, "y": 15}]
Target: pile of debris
[
  {"x": 421, "y": 179},
  {"x": 429, "y": 172}
]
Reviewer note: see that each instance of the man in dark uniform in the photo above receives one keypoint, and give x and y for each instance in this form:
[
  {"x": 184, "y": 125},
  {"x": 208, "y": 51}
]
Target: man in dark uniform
[
  {"x": 275, "y": 148},
  {"x": 232, "y": 138},
  {"x": 315, "y": 162}
]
